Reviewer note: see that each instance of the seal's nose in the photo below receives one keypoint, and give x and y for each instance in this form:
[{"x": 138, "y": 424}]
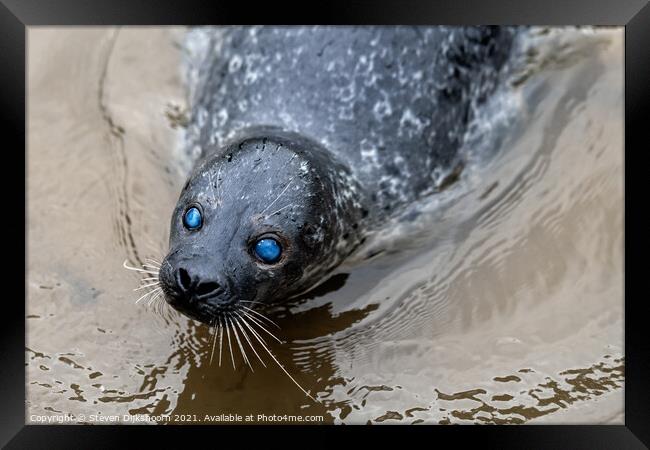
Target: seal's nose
[{"x": 196, "y": 288}]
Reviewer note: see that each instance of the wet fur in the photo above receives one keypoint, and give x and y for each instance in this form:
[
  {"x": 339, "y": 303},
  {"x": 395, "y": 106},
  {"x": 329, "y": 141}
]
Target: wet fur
[{"x": 320, "y": 134}]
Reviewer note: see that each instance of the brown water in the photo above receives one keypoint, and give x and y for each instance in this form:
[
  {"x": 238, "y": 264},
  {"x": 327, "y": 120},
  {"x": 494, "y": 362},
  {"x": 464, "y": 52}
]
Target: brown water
[{"x": 502, "y": 304}]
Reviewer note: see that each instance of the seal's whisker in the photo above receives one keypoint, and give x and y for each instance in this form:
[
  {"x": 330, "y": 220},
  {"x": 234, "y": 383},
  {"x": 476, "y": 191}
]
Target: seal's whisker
[
  {"x": 161, "y": 309},
  {"x": 214, "y": 340},
  {"x": 159, "y": 305},
  {"x": 157, "y": 293},
  {"x": 239, "y": 321},
  {"x": 279, "y": 195},
  {"x": 251, "y": 302},
  {"x": 264, "y": 346},
  {"x": 144, "y": 271},
  {"x": 261, "y": 315},
  {"x": 153, "y": 262},
  {"x": 152, "y": 302},
  {"x": 232, "y": 355},
  {"x": 211, "y": 185},
  {"x": 260, "y": 338},
  {"x": 277, "y": 211},
  {"x": 241, "y": 347},
  {"x": 220, "y": 339},
  {"x": 137, "y": 269},
  {"x": 259, "y": 324},
  {"x": 149, "y": 279},
  {"x": 154, "y": 297},
  {"x": 155, "y": 303},
  {"x": 147, "y": 285},
  {"x": 147, "y": 293},
  {"x": 218, "y": 200}
]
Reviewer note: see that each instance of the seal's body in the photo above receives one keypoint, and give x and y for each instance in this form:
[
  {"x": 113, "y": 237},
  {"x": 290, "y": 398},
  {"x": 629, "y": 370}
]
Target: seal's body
[{"x": 310, "y": 137}]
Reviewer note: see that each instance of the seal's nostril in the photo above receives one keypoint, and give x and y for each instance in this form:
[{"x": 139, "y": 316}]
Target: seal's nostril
[
  {"x": 195, "y": 288},
  {"x": 207, "y": 287},
  {"x": 184, "y": 279}
]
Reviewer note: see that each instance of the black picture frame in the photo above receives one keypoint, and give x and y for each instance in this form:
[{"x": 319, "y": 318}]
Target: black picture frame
[{"x": 634, "y": 15}]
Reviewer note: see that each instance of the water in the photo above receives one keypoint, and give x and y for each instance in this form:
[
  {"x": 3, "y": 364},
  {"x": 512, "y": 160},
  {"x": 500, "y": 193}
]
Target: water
[{"x": 501, "y": 303}]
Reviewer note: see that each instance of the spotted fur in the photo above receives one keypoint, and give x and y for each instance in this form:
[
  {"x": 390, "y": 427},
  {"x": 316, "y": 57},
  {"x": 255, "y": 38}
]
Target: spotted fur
[{"x": 346, "y": 125}]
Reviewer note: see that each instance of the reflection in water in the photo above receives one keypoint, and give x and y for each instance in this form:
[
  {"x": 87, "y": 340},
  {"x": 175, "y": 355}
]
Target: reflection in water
[{"x": 499, "y": 300}]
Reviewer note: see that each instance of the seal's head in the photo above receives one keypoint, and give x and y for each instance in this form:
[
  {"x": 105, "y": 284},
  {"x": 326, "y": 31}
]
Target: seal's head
[{"x": 264, "y": 218}]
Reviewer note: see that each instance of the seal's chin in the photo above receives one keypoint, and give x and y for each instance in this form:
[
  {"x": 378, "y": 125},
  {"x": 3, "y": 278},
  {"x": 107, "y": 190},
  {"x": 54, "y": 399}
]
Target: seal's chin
[{"x": 205, "y": 310}]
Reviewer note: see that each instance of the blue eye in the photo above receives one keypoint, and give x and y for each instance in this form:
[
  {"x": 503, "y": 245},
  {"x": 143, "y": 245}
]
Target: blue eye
[
  {"x": 192, "y": 218},
  {"x": 268, "y": 250}
]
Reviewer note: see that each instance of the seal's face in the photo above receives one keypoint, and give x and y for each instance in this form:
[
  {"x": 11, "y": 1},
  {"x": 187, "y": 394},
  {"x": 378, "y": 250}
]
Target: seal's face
[{"x": 254, "y": 223}]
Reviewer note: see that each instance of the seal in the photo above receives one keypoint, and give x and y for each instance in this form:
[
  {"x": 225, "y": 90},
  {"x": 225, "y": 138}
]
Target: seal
[{"x": 310, "y": 138}]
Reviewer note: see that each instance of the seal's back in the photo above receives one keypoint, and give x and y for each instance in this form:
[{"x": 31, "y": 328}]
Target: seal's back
[{"x": 391, "y": 102}]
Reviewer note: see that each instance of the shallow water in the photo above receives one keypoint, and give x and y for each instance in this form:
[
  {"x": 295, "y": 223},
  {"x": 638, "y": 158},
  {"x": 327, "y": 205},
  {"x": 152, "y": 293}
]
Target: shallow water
[{"x": 502, "y": 302}]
